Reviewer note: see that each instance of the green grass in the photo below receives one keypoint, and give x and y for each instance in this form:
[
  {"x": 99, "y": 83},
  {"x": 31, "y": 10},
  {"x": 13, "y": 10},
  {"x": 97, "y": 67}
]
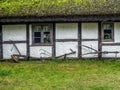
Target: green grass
[{"x": 60, "y": 75}]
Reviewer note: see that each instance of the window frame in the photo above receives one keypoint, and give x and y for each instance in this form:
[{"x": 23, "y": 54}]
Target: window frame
[
  {"x": 108, "y": 40},
  {"x": 42, "y": 35}
]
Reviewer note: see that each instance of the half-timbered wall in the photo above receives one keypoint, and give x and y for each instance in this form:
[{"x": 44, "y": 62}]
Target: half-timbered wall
[
  {"x": 113, "y": 46},
  {"x": 39, "y": 50},
  {"x": 15, "y": 33},
  {"x": 89, "y": 38},
  {"x": 66, "y": 38}
]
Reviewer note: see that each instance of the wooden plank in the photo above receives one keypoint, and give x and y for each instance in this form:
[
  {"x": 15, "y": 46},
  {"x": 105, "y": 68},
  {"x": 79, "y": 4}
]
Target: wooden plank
[
  {"x": 79, "y": 40},
  {"x": 89, "y": 40},
  {"x": 9, "y": 42},
  {"x": 28, "y": 40},
  {"x": 66, "y": 40},
  {"x": 90, "y": 48},
  {"x": 75, "y": 18},
  {"x": 1, "y": 40},
  {"x": 65, "y": 55},
  {"x": 111, "y": 44},
  {"x": 99, "y": 41},
  {"x": 54, "y": 44},
  {"x": 15, "y": 47}
]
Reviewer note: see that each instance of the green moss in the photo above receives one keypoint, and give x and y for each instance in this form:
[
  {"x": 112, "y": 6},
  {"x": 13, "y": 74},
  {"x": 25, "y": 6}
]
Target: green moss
[{"x": 58, "y": 7}]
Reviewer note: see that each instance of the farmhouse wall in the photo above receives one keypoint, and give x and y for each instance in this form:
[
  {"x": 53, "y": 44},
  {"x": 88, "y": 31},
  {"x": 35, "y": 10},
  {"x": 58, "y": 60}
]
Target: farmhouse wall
[
  {"x": 115, "y": 47},
  {"x": 14, "y": 33},
  {"x": 89, "y": 32},
  {"x": 66, "y": 31},
  {"x": 39, "y": 51}
]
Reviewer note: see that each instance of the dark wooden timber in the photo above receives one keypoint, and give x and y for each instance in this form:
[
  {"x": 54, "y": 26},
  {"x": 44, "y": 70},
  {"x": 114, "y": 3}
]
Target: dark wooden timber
[
  {"x": 79, "y": 41},
  {"x": 28, "y": 40},
  {"x": 54, "y": 44},
  {"x": 74, "y": 18},
  {"x": 89, "y": 39},
  {"x": 1, "y": 39},
  {"x": 66, "y": 40},
  {"x": 74, "y": 40},
  {"x": 111, "y": 44},
  {"x": 99, "y": 41},
  {"x": 15, "y": 47},
  {"x": 9, "y": 42}
]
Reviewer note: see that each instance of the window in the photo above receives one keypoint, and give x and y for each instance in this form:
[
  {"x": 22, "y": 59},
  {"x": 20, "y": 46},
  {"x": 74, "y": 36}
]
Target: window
[
  {"x": 42, "y": 34},
  {"x": 108, "y": 32}
]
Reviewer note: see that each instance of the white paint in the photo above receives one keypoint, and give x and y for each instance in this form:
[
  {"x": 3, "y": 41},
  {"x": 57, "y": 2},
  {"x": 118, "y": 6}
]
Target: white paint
[
  {"x": 116, "y": 40},
  {"x": 66, "y": 31},
  {"x": 14, "y": 32},
  {"x": 9, "y": 49},
  {"x": 117, "y": 32},
  {"x": 64, "y": 47},
  {"x": 92, "y": 44},
  {"x": 89, "y": 30},
  {"x": 41, "y": 51},
  {"x": 111, "y": 49}
]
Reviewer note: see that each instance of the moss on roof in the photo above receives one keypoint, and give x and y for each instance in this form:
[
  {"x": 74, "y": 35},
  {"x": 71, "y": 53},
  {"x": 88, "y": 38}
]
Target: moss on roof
[{"x": 58, "y": 7}]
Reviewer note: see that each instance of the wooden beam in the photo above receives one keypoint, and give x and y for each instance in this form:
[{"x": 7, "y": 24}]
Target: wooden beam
[
  {"x": 66, "y": 40},
  {"x": 89, "y": 40},
  {"x": 1, "y": 40},
  {"x": 28, "y": 40},
  {"x": 79, "y": 41},
  {"x": 99, "y": 41},
  {"x": 54, "y": 44},
  {"x": 110, "y": 44},
  {"x": 9, "y": 42}
]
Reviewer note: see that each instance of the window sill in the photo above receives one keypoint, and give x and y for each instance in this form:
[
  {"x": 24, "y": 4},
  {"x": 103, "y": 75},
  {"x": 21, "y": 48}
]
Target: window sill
[
  {"x": 40, "y": 44},
  {"x": 107, "y": 40}
]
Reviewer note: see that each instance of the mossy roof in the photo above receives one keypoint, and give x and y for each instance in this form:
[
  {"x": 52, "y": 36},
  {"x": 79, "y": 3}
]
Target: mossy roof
[{"x": 39, "y": 8}]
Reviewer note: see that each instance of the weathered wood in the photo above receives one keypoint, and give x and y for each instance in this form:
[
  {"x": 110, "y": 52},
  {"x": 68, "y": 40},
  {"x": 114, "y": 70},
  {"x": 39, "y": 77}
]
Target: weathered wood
[
  {"x": 110, "y": 44},
  {"x": 15, "y": 58},
  {"x": 89, "y": 40},
  {"x": 66, "y": 40},
  {"x": 28, "y": 40},
  {"x": 79, "y": 40},
  {"x": 9, "y": 42},
  {"x": 1, "y": 40},
  {"x": 65, "y": 55},
  {"x": 99, "y": 41},
  {"x": 54, "y": 43},
  {"x": 66, "y": 19},
  {"x": 89, "y": 48},
  {"x": 15, "y": 47}
]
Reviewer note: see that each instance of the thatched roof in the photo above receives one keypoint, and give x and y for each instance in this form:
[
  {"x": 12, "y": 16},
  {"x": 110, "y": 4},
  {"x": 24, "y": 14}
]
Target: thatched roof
[{"x": 39, "y": 8}]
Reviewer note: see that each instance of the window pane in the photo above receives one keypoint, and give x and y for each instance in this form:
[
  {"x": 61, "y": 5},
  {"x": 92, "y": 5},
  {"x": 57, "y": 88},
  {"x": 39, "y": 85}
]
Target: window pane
[
  {"x": 47, "y": 37},
  {"x": 37, "y": 37},
  {"x": 37, "y": 28},
  {"x": 37, "y": 40},
  {"x": 107, "y": 34},
  {"x": 37, "y": 34}
]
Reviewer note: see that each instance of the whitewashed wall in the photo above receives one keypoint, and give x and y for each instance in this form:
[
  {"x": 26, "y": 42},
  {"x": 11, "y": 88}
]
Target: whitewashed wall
[
  {"x": 9, "y": 49},
  {"x": 66, "y": 31},
  {"x": 39, "y": 51},
  {"x": 89, "y": 31},
  {"x": 116, "y": 40},
  {"x": 111, "y": 49},
  {"x": 15, "y": 33},
  {"x": 64, "y": 47}
]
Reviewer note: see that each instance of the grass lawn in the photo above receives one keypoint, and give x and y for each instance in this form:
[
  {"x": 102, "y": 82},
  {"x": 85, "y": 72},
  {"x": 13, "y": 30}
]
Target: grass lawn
[{"x": 60, "y": 75}]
